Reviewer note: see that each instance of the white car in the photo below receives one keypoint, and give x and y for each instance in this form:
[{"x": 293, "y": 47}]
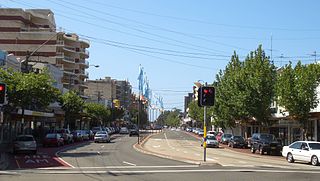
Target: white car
[
  {"x": 101, "y": 136},
  {"x": 307, "y": 151}
]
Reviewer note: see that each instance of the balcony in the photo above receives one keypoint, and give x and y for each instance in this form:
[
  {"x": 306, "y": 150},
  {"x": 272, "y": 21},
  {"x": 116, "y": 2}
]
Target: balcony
[
  {"x": 60, "y": 43},
  {"x": 84, "y": 52},
  {"x": 69, "y": 49},
  {"x": 84, "y": 63},
  {"x": 68, "y": 59}
]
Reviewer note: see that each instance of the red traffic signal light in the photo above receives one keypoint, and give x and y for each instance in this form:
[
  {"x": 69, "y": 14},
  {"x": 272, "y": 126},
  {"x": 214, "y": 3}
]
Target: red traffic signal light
[
  {"x": 206, "y": 96},
  {"x": 2, "y": 93}
]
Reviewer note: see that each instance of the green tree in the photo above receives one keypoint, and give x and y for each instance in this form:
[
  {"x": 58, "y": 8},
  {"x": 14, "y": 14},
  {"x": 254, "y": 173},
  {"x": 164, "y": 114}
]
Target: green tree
[
  {"x": 196, "y": 113},
  {"x": 29, "y": 91},
  {"x": 244, "y": 90},
  {"x": 173, "y": 118},
  {"x": 98, "y": 113},
  {"x": 72, "y": 104},
  {"x": 296, "y": 91},
  {"x": 259, "y": 85}
]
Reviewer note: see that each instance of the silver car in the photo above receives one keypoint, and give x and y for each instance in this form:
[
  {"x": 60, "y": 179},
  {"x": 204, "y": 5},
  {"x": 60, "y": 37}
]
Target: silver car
[
  {"x": 25, "y": 143},
  {"x": 101, "y": 136}
]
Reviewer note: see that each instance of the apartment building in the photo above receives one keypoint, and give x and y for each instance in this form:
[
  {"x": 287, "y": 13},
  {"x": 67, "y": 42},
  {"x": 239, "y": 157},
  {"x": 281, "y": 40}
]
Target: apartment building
[
  {"x": 107, "y": 90},
  {"x": 31, "y": 35}
]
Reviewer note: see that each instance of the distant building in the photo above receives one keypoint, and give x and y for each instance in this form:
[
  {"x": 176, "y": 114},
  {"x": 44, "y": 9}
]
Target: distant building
[
  {"x": 187, "y": 100},
  {"x": 107, "y": 90}
]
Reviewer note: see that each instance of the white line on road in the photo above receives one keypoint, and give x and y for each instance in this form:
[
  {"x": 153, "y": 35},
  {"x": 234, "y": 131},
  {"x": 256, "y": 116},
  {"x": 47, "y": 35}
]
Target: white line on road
[
  {"x": 102, "y": 146},
  {"x": 133, "y": 167},
  {"x": 156, "y": 146},
  {"x": 242, "y": 162},
  {"x": 128, "y": 163}
]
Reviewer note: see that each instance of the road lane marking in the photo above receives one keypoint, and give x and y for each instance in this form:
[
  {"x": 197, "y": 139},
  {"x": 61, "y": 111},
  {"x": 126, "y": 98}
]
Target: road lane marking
[
  {"x": 98, "y": 152},
  {"x": 128, "y": 163},
  {"x": 156, "y": 146},
  {"x": 242, "y": 162},
  {"x": 102, "y": 146},
  {"x": 133, "y": 167}
]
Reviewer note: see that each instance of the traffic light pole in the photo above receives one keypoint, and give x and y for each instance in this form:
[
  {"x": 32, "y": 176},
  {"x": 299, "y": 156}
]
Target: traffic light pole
[{"x": 205, "y": 131}]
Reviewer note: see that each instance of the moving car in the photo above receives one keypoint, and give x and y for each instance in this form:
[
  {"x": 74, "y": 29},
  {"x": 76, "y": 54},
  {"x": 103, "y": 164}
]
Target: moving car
[
  {"x": 307, "y": 151},
  {"x": 53, "y": 139},
  {"x": 211, "y": 141},
  {"x": 237, "y": 141},
  {"x": 101, "y": 136},
  {"x": 25, "y": 143},
  {"x": 124, "y": 130},
  {"x": 264, "y": 142},
  {"x": 133, "y": 130}
]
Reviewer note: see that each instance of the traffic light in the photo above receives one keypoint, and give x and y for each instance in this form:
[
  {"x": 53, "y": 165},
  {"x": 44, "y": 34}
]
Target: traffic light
[
  {"x": 206, "y": 96},
  {"x": 2, "y": 93}
]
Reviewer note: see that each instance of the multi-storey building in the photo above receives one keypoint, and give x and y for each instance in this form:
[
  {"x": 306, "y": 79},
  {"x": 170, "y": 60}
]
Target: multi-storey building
[
  {"x": 101, "y": 91},
  {"x": 107, "y": 90},
  {"x": 31, "y": 35}
]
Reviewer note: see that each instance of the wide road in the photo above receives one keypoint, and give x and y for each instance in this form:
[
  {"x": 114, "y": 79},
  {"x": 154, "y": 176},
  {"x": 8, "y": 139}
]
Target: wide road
[{"x": 120, "y": 161}]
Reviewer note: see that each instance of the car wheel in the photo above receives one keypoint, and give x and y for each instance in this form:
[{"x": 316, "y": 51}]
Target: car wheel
[
  {"x": 290, "y": 158},
  {"x": 232, "y": 145},
  {"x": 253, "y": 150},
  {"x": 314, "y": 160},
  {"x": 261, "y": 151}
]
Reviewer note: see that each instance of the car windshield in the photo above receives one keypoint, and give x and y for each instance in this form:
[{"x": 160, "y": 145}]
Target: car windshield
[
  {"x": 25, "y": 138},
  {"x": 228, "y": 135},
  {"x": 211, "y": 137},
  {"x": 268, "y": 137},
  {"x": 238, "y": 138},
  {"x": 314, "y": 146},
  {"x": 101, "y": 132}
]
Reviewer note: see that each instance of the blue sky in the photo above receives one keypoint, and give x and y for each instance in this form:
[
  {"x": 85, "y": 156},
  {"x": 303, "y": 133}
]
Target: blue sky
[{"x": 182, "y": 41}]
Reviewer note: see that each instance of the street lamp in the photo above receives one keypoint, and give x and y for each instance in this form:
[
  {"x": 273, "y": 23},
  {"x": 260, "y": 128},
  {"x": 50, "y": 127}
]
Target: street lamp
[{"x": 96, "y": 66}]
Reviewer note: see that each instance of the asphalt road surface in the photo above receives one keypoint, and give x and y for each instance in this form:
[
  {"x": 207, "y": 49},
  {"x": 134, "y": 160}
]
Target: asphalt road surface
[{"x": 120, "y": 161}]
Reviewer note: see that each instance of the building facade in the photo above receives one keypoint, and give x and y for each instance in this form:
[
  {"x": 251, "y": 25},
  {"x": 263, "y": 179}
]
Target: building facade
[
  {"x": 107, "y": 91},
  {"x": 31, "y": 36}
]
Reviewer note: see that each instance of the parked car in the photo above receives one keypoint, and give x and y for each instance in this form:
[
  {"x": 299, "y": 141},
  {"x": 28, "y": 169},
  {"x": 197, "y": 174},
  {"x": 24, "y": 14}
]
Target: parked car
[
  {"x": 124, "y": 130},
  {"x": 85, "y": 134},
  {"x": 54, "y": 139},
  {"x": 264, "y": 142},
  {"x": 211, "y": 141},
  {"x": 90, "y": 133},
  {"x": 108, "y": 130},
  {"x": 307, "y": 151},
  {"x": 218, "y": 136},
  {"x": 211, "y": 133},
  {"x": 225, "y": 138},
  {"x": 67, "y": 135},
  {"x": 200, "y": 132},
  {"x": 237, "y": 141},
  {"x": 77, "y": 135},
  {"x": 96, "y": 129},
  {"x": 101, "y": 136},
  {"x": 25, "y": 143}
]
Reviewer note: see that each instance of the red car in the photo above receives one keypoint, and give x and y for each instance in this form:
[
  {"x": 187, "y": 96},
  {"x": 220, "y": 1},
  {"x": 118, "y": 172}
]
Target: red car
[
  {"x": 218, "y": 136},
  {"x": 54, "y": 139}
]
